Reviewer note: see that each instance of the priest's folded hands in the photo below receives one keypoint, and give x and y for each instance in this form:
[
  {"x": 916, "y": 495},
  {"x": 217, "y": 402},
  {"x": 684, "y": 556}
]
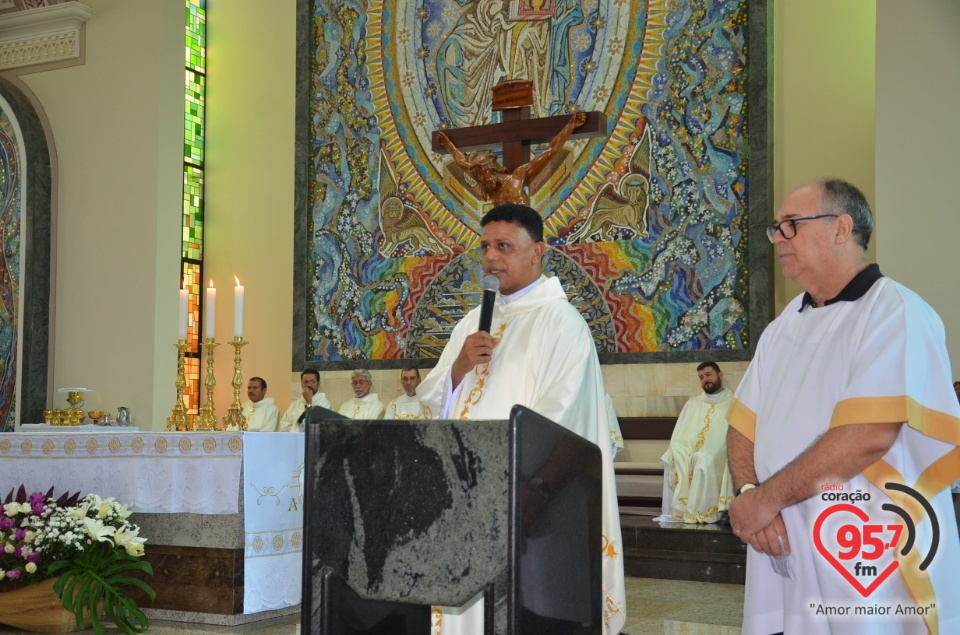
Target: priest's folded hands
[{"x": 756, "y": 521}]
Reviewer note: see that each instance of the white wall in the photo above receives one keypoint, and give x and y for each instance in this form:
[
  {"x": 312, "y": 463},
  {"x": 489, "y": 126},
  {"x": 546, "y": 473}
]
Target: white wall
[
  {"x": 823, "y": 83},
  {"x": 251, "y": 61},
  {"x": 918, "y": 137},
  {"x": 115, "y": 122}
]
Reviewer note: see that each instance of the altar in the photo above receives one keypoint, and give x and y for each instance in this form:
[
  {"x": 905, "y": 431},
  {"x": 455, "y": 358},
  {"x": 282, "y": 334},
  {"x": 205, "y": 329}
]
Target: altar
[{"x": 222, "y": 511}]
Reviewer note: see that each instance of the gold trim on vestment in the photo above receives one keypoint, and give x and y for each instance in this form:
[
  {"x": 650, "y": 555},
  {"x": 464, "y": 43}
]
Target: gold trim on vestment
[
  {"x": 702, "y": 437},
  {"x": 482, "y": 370},
  {"x": 917, "y": 582},
  {"x": 899, "y": 409},
  {"x": 742, "y": 419}
]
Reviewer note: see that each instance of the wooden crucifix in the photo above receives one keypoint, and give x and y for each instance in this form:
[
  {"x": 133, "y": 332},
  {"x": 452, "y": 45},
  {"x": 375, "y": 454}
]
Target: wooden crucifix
[{"x": 509, "y": 183}]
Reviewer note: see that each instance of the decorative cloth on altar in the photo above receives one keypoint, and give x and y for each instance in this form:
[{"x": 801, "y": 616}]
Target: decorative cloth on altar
[
  {"x": 273, "y": 521},
  {"x": 152, "y": 472},
  {"x": 185, "y": 472}
]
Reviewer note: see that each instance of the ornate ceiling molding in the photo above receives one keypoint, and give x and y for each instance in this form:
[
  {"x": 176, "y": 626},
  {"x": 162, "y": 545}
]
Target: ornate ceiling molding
[{"x": 43, "y": 35}]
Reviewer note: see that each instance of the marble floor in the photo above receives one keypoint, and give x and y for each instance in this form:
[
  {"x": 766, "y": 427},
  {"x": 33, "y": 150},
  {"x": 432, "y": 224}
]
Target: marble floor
[{"x": 654, "y": 607}]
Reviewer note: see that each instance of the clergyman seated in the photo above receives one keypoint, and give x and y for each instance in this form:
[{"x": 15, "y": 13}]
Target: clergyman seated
[
  {"x": 365, "y": 404},
  {"x": 408, "y": 405},
  {"x": 260, "y": 411},
  {"x": 292, "y": 420},
  {"x": 697, "y": 486}
]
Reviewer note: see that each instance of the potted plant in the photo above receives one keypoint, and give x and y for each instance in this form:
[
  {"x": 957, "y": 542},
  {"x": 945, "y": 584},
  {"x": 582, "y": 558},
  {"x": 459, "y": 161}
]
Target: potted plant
[{"x": 82, "y": 550}]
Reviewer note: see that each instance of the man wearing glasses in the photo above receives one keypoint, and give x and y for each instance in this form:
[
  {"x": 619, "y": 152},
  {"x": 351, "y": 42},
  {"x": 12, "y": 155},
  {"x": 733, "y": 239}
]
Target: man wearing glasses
[{"x": 849, "y": 390}]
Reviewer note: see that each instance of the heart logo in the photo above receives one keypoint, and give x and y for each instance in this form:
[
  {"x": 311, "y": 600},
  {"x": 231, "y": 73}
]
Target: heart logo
[{"x": 862, "y": 515}]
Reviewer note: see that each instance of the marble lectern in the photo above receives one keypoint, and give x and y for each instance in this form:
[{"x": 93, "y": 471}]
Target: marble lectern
[{"x": 402, "y": 515}]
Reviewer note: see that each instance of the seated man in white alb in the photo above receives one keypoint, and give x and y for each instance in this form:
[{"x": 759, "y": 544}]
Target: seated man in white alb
[
  {"x": 408, "y": 405},
  {"x": 260, "y": 411},
  {"x": 292, "y": 420},
  {"x": 697, "y": 486},
  {"x": 365, "y": 404}
]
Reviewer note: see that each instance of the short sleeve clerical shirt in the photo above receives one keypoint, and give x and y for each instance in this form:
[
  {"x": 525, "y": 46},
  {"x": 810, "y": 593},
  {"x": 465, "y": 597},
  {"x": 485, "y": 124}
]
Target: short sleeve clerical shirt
[{"x": 880, "y": 358}]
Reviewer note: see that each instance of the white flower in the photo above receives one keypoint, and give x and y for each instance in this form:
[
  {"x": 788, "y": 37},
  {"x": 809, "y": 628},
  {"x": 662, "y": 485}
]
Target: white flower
[
  {"x": 29, "y": 537},
  {"x": 12, "y": 509},
  {"x": 97, "y": 530},
  {"x": 9, "y": 548},
  {"x": 128, "y": 537},
  {"x": 31, "y": 567},
  {"x": 80, "y": 511},
  {"x": 122, "y": 511},
  {"x": 135, "y": 548}
]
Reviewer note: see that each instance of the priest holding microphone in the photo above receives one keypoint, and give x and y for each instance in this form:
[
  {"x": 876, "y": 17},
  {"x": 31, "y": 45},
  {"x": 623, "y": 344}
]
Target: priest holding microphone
[{"x": 528, "y": 345}]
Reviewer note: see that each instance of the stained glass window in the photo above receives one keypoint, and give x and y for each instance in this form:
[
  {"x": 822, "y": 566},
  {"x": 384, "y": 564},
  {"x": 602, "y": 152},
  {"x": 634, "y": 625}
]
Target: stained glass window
[{"x": 191, "y": 254}]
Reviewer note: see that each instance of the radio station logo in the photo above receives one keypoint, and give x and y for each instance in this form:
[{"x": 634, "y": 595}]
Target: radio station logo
[{"x": 860, "y": 543}]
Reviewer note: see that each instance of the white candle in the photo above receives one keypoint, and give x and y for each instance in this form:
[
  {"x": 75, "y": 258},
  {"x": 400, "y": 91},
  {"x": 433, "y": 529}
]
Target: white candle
[
  {"x": 211, "y": 308},
  {"x": 237, "y": 309},
  {"x": 184, "y": 296}
]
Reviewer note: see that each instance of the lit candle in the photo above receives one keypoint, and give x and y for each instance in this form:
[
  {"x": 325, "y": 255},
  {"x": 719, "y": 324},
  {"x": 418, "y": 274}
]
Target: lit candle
[
  {"x": 237, "y": 309},
  {"x": 184, "y": 297},
  {"x": 211, "y": 309}
]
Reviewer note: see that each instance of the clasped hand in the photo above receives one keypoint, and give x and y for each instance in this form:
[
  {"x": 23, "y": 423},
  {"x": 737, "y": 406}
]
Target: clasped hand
[{"x": 758, "y": 523}]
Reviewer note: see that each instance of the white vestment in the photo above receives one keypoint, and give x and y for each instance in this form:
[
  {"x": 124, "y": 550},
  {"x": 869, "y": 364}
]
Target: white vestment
[
  {"x": 404, "y": 407},
  {"x": 697, "y": 486},
  {"x": 261, "y": 416},
  {"x": 288, "y": 423},
  {"x": 879, "y": 359},
  {"x": 616, "y": 436},
  {"x": 546, "y": 360},
  {"x": 368, "y": 407}
]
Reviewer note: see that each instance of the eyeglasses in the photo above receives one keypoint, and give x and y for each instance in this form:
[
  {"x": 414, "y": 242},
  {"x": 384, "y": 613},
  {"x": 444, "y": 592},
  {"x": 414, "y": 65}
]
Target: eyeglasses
[{"x": 788, "y": 228}]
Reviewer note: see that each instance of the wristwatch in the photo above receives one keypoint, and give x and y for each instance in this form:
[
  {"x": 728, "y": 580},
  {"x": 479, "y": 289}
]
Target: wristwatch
[{"x": 745, "y": 487}]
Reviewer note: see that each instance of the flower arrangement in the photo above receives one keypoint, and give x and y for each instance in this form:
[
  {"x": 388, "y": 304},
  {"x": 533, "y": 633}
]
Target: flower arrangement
[{"x": 87, "y": 544}]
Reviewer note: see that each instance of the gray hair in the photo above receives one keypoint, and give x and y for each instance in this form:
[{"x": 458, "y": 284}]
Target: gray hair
[
  {"x": 360, "y": 372},
  {"x": 841, "y": 197}
]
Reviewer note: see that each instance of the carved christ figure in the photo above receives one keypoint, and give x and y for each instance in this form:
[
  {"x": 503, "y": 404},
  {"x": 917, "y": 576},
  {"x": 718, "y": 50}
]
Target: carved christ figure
[{"x": 498, "y": 184}]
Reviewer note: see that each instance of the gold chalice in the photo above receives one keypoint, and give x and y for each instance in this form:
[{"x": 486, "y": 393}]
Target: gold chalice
[
  {"x": 75, "y": 398},
  {"x": 96, "y": 415}
]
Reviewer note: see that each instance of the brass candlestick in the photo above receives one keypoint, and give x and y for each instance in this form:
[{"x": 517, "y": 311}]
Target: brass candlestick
[
  {"x": 178, "y": 420},
  {"x": 207, "y": 420},
  {"x": 234, "y": 412}
]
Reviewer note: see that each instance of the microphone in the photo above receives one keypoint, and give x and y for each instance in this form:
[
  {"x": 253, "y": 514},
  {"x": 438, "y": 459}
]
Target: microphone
[{"x": 490, "y": 286}]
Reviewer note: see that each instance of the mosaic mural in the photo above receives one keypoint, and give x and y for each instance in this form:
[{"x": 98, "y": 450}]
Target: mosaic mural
[
  {"x": 11, "y": 182},
  {"x": 647, "y": 224}
]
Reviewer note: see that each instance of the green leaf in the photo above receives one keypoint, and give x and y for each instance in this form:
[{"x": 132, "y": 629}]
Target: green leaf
[
  {"x": 140, "y": 584},
  {"x": 95, "y": 580},
  {"x": 94, "y": 613}
]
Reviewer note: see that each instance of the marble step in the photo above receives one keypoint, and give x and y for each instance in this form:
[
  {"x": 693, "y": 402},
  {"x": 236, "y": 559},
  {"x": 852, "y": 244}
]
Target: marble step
[{"x": 700, "y": 553}]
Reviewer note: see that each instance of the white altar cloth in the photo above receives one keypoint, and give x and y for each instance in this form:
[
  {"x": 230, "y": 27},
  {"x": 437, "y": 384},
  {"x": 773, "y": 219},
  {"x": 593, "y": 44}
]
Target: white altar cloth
[
  {"x": 152, "y": 472},
  {"x": 194, "y": 472},
  {"x": 272, "y": 520}
]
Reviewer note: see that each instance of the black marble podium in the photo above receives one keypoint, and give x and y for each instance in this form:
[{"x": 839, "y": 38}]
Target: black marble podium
[{"x": 402, "y": 515}]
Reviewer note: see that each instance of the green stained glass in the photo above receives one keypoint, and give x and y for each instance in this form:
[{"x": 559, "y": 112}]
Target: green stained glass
[
  {"x": 196, "y": 50},
  {"x": 194, "y": 112},
  {"x": 192, "y": 213}
]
